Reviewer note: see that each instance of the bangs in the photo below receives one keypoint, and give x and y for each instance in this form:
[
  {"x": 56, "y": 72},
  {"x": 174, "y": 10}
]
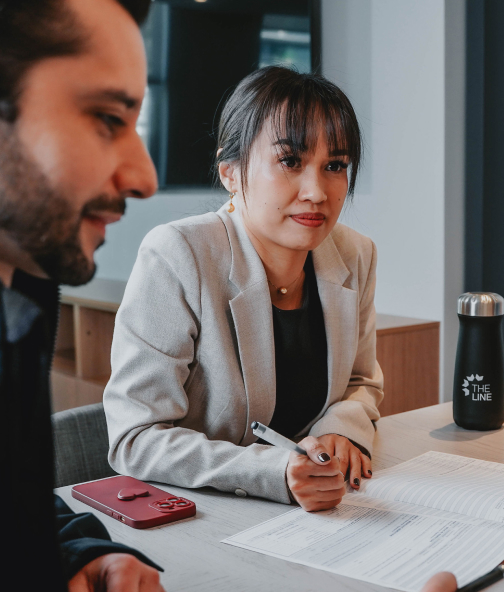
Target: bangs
[
  {"x": 299, "y": 107},
  {"x": 300, "y": 121}
]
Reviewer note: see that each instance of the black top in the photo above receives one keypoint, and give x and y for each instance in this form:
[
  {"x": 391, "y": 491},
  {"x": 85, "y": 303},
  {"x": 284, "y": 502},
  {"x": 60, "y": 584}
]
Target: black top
[
  {"x": 32, "y": 523},
  {"x": 301, "y": 360}
]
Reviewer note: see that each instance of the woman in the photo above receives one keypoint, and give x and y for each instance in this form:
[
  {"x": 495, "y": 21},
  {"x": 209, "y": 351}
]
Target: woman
[{"x": 262, "y": 311}]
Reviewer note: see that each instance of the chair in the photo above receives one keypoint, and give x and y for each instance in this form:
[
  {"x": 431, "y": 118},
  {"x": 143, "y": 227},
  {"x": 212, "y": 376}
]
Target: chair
[{"x": 80, "y": 445}]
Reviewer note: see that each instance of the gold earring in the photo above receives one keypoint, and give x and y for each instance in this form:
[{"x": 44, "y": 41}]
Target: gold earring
[{"x": 231, "y": 206}]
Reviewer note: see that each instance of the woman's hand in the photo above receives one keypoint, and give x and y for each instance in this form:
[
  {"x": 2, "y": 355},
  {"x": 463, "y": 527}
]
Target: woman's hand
[
  {"x": 315, "y": 481},
  {"x": 349, "y": 456}
]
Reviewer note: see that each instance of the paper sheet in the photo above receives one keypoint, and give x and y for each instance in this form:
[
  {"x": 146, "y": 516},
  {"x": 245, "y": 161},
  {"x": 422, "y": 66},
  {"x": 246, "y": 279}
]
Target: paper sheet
[
  {"x": 445, "y": 482},
  {"x": 390, "y": 541},
  {"x": 382, "y": 547},
  {"x": 370, "y": 502}
]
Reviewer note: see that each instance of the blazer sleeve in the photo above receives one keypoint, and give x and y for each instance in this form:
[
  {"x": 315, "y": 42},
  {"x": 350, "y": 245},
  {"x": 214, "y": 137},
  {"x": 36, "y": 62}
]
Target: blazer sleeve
[
  {"x": 353, "y": 416},
  {"x": 153, "y": 350}
]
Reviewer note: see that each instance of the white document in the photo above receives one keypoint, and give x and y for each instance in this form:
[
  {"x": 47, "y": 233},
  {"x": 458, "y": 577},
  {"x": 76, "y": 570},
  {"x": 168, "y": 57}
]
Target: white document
[
  {"x": 437, "y": 512},
  {"x": 444, "y": 482}
]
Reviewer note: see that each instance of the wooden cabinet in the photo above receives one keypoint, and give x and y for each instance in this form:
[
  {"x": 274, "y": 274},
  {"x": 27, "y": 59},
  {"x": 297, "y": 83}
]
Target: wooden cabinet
[
  {"x": 408, "y": 353},
  {"x": 81, "y": 366},
  {"x": 407, "y": 349}
]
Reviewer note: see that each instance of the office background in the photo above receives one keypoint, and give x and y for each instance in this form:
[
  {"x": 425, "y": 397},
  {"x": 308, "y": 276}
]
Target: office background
[{"x": 422, "y": 77}]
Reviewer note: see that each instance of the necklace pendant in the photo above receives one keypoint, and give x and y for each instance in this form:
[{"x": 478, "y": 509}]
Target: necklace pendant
[{"x": 282, "y": 291}]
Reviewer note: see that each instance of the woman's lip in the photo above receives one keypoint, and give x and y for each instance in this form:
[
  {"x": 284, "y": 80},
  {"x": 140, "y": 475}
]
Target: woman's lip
[{"x": 309, "y": 219}]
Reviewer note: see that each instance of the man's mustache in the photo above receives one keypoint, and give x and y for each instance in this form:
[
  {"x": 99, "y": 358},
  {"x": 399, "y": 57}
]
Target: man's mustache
[{"x": 105, "y": 203}]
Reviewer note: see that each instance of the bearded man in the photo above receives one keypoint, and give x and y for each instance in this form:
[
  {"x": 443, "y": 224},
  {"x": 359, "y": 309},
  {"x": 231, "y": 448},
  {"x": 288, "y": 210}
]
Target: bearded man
[{"x": 72, "y": 79}]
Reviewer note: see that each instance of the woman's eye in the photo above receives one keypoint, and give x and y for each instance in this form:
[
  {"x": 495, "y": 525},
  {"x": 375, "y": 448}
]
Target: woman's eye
[
  {"x": 289, "y": 161},
  {"x": 336, "y": 166}
]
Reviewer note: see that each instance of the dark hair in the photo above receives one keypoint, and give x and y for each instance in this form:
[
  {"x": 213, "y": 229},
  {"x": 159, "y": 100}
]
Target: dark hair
[
  {"x": 33, "y": 30},
  {"x": 297, "y": 105}
]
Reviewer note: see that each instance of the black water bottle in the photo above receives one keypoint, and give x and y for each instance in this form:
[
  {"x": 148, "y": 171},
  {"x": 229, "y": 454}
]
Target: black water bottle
[{"x": 478, "y": 389}]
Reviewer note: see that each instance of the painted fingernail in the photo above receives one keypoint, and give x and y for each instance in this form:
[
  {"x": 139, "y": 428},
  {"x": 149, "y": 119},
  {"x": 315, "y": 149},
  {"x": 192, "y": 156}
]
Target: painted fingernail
[
  {"x": 324, "y": 457},
  {"x": 370, "y": 472},
  {"x": 356, "y": 482}
]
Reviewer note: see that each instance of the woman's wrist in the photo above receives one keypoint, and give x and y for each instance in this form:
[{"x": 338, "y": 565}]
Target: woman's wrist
[{"x": 291, "y": 497}]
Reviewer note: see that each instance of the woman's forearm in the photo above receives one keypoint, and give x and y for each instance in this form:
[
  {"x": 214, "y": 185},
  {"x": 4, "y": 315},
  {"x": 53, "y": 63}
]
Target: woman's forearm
[{"x": 189, "y": 459}]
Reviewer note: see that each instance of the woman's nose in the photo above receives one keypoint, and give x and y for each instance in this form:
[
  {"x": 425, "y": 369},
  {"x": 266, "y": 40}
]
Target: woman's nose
[{"x": 312, "y": 187}]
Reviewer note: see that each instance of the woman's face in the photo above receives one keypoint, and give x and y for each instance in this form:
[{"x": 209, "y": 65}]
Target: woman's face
[{"x": 293, "y": 203}]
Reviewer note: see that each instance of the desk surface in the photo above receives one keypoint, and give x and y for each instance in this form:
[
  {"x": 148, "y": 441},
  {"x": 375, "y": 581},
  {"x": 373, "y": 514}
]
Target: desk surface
[{"x": 195, "y": 560}]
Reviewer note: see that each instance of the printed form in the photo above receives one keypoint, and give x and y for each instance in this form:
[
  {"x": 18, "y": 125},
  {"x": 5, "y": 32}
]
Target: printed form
[{"x": 436, "y": 512}]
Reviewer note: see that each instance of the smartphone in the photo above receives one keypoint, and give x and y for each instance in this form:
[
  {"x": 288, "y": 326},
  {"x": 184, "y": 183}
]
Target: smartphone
[{"x": 133, "y": 502}]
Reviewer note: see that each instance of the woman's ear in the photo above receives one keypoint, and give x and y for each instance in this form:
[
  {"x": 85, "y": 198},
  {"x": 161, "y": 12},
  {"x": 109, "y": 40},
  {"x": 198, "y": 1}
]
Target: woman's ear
[{"x": 229, "y": 176}]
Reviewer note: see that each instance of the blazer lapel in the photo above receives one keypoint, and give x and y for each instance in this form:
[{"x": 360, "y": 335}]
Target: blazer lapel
[
  {"x": 253, "y": 320},
  {"x": 340, "y": 306}
]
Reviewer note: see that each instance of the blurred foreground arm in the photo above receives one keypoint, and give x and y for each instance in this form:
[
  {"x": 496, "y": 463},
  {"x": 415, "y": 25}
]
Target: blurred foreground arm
[
  {"x": 91, "y": 561},
  {"x": 116, "y": 572}
]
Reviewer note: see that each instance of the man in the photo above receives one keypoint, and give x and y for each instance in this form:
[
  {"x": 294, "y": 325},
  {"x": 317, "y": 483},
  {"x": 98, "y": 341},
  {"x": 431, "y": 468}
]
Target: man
[{"x": 72, "y": 79}]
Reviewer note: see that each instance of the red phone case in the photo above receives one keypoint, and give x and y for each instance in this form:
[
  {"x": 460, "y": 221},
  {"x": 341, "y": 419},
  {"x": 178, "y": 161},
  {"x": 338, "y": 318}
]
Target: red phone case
[{"x": 133, "y": 502}]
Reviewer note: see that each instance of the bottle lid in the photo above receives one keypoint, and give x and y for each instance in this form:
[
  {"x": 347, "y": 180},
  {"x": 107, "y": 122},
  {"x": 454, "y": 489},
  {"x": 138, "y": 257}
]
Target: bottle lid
[{"x": 480, "y": 304}]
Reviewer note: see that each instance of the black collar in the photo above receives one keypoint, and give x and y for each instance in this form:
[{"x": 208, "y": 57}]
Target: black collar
[{"x": 25, "y": 301}]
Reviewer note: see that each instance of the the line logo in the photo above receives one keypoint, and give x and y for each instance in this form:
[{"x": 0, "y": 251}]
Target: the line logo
[{"x": 478, "y": 392}]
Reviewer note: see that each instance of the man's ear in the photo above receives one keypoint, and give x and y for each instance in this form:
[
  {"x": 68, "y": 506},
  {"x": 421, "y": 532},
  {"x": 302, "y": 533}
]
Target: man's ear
[{"x": 229, "y": 176}]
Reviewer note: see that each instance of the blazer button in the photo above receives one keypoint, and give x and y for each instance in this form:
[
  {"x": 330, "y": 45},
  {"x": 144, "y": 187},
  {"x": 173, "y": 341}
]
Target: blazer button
[{"x": 241, "y": 492}]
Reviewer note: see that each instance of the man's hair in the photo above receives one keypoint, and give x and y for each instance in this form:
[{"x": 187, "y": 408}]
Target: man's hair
[{"x": 34, "y": 30}]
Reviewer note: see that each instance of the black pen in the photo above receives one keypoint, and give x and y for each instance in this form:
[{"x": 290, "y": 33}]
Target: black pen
[{"x": 487, "y": 580}]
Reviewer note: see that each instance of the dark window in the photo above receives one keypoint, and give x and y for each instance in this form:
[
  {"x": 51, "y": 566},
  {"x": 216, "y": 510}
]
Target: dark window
[{"x": 198, "y": 50}]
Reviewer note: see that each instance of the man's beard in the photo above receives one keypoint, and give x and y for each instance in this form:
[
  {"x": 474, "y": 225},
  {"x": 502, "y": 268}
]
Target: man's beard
[{"x": 40, "y": 219}]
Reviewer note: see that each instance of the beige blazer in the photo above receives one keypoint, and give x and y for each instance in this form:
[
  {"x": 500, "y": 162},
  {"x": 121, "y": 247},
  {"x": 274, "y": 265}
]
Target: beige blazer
[{"x": 193, "y": 361}]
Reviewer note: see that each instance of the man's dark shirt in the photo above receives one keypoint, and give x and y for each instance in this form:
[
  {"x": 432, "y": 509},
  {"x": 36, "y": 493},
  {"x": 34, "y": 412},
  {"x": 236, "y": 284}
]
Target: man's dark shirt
[{"x": 44, "y": 542}]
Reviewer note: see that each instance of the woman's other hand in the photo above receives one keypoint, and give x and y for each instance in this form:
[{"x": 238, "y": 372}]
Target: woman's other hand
[
  {"x": 349, "y": 456},
  {"x": 315, "y": 481}
]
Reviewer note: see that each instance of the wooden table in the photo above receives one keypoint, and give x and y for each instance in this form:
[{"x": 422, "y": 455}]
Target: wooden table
[{"x": 196, "y": 560}]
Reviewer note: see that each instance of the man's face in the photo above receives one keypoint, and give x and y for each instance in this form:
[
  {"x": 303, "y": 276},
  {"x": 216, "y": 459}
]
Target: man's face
[{"x": 73, "y": 155}]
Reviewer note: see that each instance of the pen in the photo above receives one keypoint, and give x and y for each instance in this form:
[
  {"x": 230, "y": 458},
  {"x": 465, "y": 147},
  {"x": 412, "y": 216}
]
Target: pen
[
  {"x": 275, "y": 438},
  {"x": 487, "y": 580}
]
